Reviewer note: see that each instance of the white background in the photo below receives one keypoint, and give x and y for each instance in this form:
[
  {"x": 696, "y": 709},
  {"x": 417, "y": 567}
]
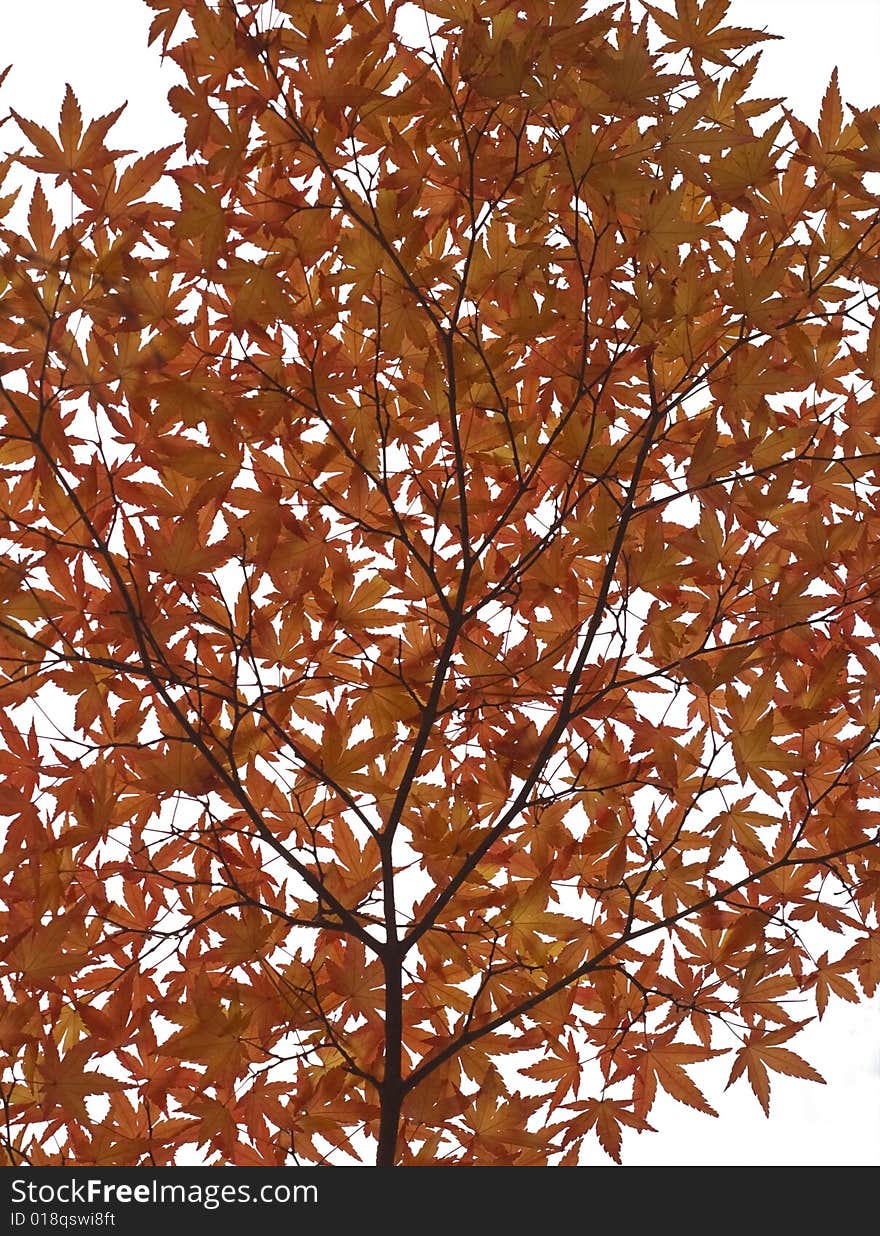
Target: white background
[{"x": 100, "y": 47}]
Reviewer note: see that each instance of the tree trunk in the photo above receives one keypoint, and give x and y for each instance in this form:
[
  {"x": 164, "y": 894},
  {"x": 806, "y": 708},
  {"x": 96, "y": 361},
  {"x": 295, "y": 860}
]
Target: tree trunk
[
  {"x": 391, "y": 1095},
  {"x": 388, "y": 1129}
]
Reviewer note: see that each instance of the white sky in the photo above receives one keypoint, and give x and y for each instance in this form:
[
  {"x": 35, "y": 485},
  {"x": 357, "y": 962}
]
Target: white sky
[{"x": 99, "y": 46}]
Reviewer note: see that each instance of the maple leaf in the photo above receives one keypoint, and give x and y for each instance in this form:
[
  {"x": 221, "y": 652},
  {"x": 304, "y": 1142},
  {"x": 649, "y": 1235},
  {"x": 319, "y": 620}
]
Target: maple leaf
[
  {"x": 761, "y": 1053},
  {"x": 698, "y": 28},
  {"x": 40, "y": 954},
  {"x": 608, "y": 1117},
  {"x": 64, "y": 1083},
  {"x": 663, "y": 1063},
  {"x": 564, "y": 1067},
  {"x": 830, "y": 981},
  {"x": 76, "y": 148},
  {"x": 211, "y": 1035}
]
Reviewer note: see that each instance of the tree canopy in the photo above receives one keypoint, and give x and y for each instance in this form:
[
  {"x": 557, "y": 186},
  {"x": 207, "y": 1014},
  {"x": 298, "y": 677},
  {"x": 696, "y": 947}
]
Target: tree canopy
[{"x": 439, "y": 588}]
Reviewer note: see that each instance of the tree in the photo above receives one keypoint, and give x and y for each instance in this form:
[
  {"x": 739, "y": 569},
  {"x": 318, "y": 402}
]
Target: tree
[{"x": 439, "y": 588}]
